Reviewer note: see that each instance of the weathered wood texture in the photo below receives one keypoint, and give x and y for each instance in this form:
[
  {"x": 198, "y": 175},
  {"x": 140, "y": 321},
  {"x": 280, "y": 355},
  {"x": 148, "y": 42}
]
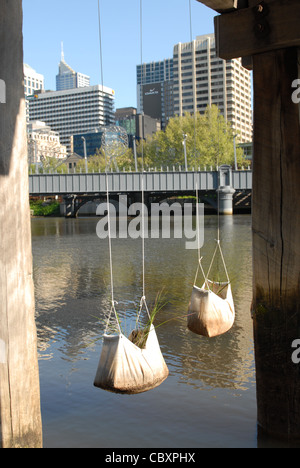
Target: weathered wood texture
[
  {"x": 19, "y": 380},
  {"x": 264, "y": 27},
  {"x": 269, "y": 31},
  {"x": 276, "y": 244},
  {"x": 220, "y": 5}
]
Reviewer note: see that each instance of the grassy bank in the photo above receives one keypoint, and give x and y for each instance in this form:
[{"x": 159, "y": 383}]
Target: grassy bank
[{"x": 42, "y": 208}]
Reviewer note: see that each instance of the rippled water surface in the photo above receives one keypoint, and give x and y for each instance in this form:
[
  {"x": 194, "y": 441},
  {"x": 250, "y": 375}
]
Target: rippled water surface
[{"x": 209, "y": 397}]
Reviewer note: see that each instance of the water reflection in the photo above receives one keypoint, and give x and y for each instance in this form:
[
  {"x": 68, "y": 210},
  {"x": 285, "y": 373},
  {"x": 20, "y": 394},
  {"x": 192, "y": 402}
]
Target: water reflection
[{"x": 72, "y": 284}]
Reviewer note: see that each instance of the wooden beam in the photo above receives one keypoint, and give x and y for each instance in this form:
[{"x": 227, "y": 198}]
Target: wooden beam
[
  {"x": 262, "y": 28},
  {"x": 20, "y": 412},
  {"x": 269, "y": 31},
  {"x": 220, "y": 5},
  {"x": 276, "y": 243}
]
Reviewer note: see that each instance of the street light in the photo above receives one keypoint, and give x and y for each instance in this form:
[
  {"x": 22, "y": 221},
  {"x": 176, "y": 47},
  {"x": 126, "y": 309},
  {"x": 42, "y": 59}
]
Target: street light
[
  {"x": 134, "y": 152},
  {"x": 234, "y": 147},
  {"x": 184, "y": 147},
  {"x": 85, "y": 155}
]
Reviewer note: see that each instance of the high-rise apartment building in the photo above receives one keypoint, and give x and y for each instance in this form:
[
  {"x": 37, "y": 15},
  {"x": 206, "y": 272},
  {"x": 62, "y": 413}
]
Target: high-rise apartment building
[
  {"x": 202, "y": 79},
  {"x": 194, "y": 79},
  {"x": 67, "y": 78},
  {"x": 33, "y": 81},
  {"x": 155, "y": 90},
  {"x": 74, "y": 111}
]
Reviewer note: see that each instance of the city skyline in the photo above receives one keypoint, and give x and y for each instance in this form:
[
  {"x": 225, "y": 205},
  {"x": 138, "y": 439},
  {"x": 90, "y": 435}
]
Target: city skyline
[
  {"x": 194, "y": 78},
  {"x": 164, "y": 24}
]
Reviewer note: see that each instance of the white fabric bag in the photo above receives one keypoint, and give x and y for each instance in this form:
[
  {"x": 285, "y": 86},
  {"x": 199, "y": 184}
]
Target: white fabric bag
[
  {"x": 211, "y": 311},
  {"x": 126, "y": 368}
]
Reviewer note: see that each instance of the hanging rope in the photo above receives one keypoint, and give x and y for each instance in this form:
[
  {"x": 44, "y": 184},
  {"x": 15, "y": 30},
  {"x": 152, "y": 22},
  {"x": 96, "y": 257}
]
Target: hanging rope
[
  {"x": 125, "y": 366},
  {"x": 143, "y": 302},
  {"x": 143, "y": 194},
  {"x": 113, "y": 302},
  {"x": 218, "y": 246},
  {"x": 218, "y": 160},
  {"x": 211, "y": 308},
  {"x": 195, "y": 103},
  {"x": 100, "y": 44},
  {"x": 191, "y": 26},
  {"x": 200, "y": 267},
  {"x": 218, "y": 240}
]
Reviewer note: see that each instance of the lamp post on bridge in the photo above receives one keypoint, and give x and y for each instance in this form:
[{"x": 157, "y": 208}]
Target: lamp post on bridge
[
  {"x": 234, "y": 147},
  {"x": 85, "y": 154},
  {"x": 184, "y": 148}
]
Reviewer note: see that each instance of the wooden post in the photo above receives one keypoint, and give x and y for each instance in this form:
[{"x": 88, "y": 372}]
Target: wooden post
[
  {"x": 276, "y": 241},
  {"x": 269, "y": 32},
  {"x": 19, "y": 379}
]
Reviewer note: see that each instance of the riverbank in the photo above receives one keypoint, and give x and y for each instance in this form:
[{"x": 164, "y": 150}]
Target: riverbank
[
  {"x": 48, "y": 208},
  {"x": 44, "y": 208}
]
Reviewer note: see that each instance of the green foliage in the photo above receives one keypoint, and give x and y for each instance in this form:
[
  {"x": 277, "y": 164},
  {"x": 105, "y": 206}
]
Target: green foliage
[
  {"x": 140, "y": 335},
  {"x": 98, "y": 162},
  {"x": 209, "y": 142},
  {"x": 41, "y": 208},
  {"x": 49, "y": 165}
]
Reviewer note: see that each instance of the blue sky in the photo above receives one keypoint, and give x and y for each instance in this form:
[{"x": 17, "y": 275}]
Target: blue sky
[{"x": 75, "y": 23}]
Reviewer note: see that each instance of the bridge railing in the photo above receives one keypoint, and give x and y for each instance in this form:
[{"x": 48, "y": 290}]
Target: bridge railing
[
  {"x": 242, "y": 180},
  {"x": 181, "y": 181}
]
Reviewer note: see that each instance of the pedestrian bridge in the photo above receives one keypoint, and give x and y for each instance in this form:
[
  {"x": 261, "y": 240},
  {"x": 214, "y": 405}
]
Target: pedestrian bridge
[
  {"x": 79, "y": 188},
  {"x": 131, "y": 182}
]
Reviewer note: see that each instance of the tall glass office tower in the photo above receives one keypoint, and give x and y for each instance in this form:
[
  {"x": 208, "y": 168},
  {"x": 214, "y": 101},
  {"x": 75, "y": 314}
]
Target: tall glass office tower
[{"x": 67, "y": 78}]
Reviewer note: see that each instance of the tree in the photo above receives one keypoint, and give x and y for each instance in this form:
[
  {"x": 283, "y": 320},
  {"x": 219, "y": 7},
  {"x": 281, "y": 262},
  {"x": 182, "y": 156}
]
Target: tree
[
  {"x": 98, "y": 162},
  {"x": 209, "y": 142}
]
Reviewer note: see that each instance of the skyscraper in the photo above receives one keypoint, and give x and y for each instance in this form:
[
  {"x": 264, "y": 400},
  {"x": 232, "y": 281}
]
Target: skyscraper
[
  {"x": 155, "y": 90},
  {"x": 33, "y": 81},
  {"x": 202, "y": 79},
  {"x": 74, "y": 111},
  {"x": 194, "y": 79},
  {"x": 67, "y": 78}
]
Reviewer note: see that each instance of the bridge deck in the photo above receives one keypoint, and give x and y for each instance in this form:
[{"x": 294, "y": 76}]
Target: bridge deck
[{"x": 126, "y": 182}]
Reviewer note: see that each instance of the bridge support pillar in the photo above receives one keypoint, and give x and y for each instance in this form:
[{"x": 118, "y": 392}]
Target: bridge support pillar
[
  {"x": 226, "y": 199},
  {"x": 69, "y": 209},
  {"x": 225, "y": 191}
]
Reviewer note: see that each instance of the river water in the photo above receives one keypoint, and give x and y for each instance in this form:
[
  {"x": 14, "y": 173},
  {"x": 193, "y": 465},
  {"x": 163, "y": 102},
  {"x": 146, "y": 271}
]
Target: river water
[{"x": 209, "y": 398}]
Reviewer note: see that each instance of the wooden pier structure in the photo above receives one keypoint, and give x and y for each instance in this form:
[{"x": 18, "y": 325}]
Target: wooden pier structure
[
  {"x": 266, "y": 35},
  {"x": 21, "y": 425}
]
